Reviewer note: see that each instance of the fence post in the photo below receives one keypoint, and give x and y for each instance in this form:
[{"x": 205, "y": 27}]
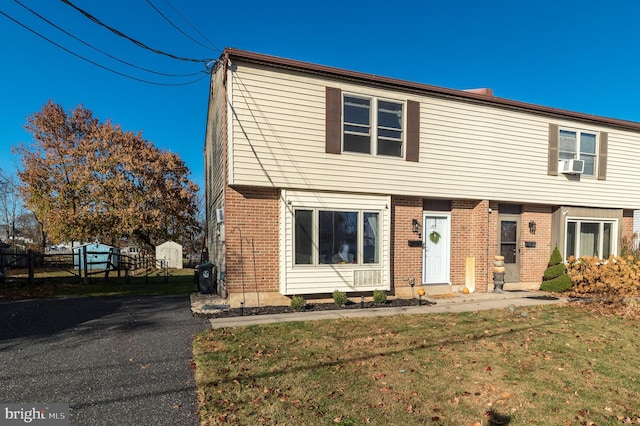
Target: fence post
[
  {"x": 106, "y": 272},
  {"x": 118, "y": 263},
  {"x": 31, "y": 267},
  {"x": 86, "y": 266}
]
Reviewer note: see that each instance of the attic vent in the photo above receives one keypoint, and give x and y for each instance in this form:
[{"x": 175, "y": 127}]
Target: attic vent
[
  {"x": 571, "y": 166},
  {"x": 367, "y": 278}
]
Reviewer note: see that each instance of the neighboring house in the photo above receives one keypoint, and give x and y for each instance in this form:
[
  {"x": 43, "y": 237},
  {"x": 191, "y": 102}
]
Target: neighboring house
[
  {"x": 16, "y": 240},
  {"x": 95, "y": 256},
  {"x": 169, "y": 254},
  {"x": 424, "y": 185}
]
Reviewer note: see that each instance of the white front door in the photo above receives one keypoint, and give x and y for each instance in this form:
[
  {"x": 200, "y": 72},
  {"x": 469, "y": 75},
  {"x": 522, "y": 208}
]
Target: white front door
[{"x": 436, "y": 237}]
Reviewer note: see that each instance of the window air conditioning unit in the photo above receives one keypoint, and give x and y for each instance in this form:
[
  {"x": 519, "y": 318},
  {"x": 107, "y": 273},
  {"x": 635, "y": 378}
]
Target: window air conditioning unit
[
  {"x": 573, "y": 167},
  {"x": 219, "y": 215}
]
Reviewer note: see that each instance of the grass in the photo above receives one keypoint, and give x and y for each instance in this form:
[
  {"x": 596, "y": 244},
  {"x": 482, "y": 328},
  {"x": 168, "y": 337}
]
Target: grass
[
  {"x": 59, "y": 284},
  {"x": 553, "y": 365}
]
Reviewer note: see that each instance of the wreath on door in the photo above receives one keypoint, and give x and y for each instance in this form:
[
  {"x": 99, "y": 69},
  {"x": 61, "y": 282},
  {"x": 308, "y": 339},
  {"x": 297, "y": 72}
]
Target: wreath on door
[{"x": 434, "y": 237}]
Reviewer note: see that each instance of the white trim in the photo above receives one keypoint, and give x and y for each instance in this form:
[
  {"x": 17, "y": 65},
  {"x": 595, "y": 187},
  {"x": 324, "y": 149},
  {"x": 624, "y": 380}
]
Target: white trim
[
  {"x": 577, "y": 156},
  {"x": 284, "y": 209},
  {"x": 425, "y": 236},
  {"x": 325, "y": 278},
  {"x": 373, "y": 124},
  {"x": 600, "y": 220}
]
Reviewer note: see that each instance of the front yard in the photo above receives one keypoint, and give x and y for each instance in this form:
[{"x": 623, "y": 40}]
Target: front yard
[
  {"x": 58, "y": 283},
  {"x": 557, "y": 365}
]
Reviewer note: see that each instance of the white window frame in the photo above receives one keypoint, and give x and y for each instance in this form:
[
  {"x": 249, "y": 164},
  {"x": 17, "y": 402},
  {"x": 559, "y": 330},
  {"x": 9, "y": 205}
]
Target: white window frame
[
  {"x": 315, "y": 238},
  {"x": 578, "y": 154},
  {"x": 373, "y": 125},
  {"x": 601, "y": 221}
]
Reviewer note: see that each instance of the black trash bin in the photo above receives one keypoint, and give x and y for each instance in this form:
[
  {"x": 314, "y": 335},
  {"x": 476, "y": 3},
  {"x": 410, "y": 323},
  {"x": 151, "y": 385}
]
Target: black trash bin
[{"x": 205, "y": 276}]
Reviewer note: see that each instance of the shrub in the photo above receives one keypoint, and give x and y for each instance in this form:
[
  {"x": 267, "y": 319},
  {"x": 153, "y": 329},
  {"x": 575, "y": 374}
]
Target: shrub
[
  {"x": 628, "y": 247},
  {"x": 614, "y": 278},
  {"x": 557, "y": 285},
  {"x": 297, "y": 303},
  {"x": 555, "y": 271},
  {"x": 555, "y": 277},
  {"x": 340, "y": 298},
  {"x": 556, "y": 257},
  {"x": 379, "y": 296}
]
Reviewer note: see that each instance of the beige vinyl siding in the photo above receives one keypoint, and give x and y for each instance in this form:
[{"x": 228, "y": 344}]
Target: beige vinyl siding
[
  {"x": 467, "y": 150},
  {"x": 214, "y": 166},
  {"x": 305, "y": 279}
]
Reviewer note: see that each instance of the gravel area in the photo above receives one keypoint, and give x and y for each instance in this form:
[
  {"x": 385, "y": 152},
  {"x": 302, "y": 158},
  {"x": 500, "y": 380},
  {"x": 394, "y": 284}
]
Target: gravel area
[{"x": 114, "y": 360}]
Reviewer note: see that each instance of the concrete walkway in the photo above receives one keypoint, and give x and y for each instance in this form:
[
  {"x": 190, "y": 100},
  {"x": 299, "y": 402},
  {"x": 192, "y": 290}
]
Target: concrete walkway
[{"x": 445, "y": 303}]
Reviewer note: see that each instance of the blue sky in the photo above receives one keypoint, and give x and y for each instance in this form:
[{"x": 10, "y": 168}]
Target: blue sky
[{"x": 576, "y": 55}]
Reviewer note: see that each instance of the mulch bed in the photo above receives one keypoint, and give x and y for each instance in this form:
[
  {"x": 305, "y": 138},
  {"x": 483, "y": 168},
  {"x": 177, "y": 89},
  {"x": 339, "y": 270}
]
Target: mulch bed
[{"x": 310, "y": 307}]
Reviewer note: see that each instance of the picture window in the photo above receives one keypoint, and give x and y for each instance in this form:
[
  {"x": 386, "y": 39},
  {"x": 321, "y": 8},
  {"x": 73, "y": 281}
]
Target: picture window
[{"x": 329, "y": 237}]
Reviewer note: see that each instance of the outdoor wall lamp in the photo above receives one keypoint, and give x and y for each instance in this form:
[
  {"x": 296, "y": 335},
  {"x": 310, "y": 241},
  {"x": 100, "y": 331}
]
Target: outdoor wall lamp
[
  {"x": 415, "y": 226},
  {"x": 532, "y": 227}
]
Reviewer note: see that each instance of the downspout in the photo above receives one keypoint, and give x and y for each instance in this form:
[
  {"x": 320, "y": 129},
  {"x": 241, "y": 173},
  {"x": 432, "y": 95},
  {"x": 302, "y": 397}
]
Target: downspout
[{"x": 488, "y": 261}]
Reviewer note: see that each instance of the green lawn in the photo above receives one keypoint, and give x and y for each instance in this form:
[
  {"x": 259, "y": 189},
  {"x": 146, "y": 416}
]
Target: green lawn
[
  {"x": 554, "y": 365},
  {"x": 60, "y": 283}
]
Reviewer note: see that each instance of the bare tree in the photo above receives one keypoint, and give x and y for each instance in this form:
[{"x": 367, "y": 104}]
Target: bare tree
[
  {"x": 11, "y": 206},
  {"x": 28, "y": 227}
]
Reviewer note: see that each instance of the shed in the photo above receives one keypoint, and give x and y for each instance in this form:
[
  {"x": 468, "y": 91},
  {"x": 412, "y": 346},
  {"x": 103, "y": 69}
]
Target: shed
[
  {"x": 171, "y": 253},
  {"x": 97, "y": 256}
]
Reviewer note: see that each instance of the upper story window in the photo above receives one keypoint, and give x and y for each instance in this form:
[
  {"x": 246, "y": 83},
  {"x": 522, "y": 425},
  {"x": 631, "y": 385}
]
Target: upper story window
[
  {"x": 373, "y": 126},
  {"x": 579, "y": 145},
  {"x": 369, "y": 125}
]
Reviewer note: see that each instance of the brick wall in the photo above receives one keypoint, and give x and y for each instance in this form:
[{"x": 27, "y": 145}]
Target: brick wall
[
  {"x": 480, "y": 247},
  {"x": 470, "y": 222},
  {"x": 474, "y": 233},
  {"x": 406, "y": 261},
  {"x": 533, "y": 261},
  {"x": 627, "y": 227},
  {"x": 252, "y": 212}
]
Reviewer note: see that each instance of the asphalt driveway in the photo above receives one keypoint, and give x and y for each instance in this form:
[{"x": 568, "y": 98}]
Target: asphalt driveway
[{"x": 114, "y": 360}]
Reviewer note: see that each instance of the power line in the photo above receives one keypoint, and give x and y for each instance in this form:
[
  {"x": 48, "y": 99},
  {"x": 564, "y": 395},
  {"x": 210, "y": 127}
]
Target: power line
[
  {"x": 134, "y": 41},
  {"x": 175, "y": 26},
  {"x": 192, "y": 26},
  {"x": 95, "y": 63},
  {"x": 101, "y": 51}
]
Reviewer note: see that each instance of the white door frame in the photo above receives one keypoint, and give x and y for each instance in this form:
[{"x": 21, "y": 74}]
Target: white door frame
[{"x": 444, "y": 244}]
